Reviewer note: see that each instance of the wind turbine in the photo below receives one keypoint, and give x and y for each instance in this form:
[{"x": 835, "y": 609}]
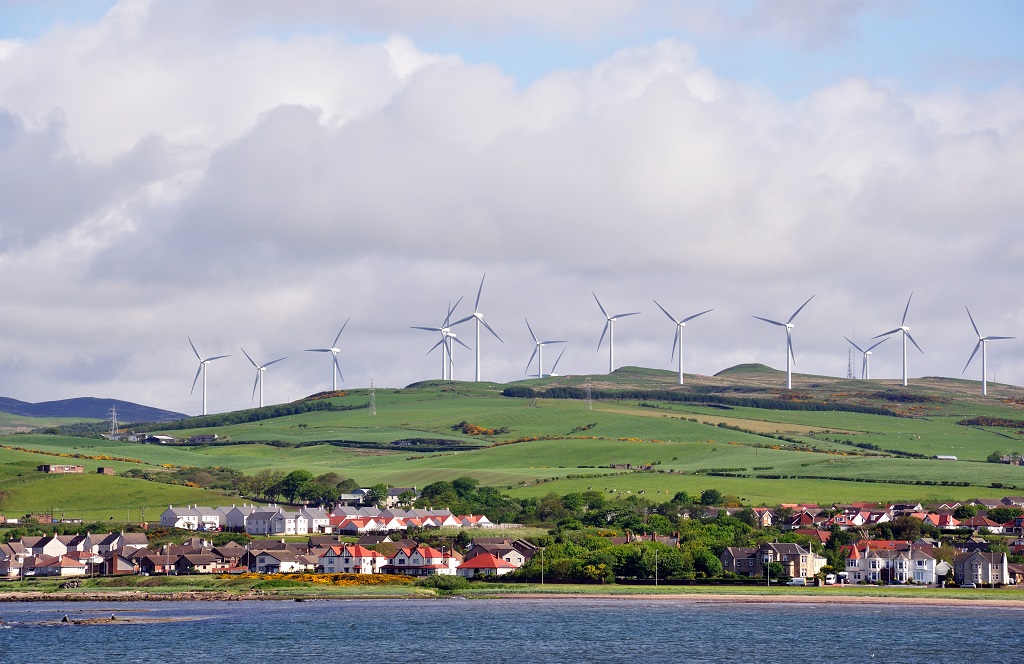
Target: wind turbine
[
  {"x": 447, "y": 336},
  {"x": 538, "y": 351},
  {"x": 790, "y": 356},
  {"x": 678, "y": 339},
  {"x": 609, "y": 328},
  {"x": 983, "y": 344},
  {"x": 260, "y": 368},
  {"x": 906, "y": 335},
  {"x": 479, "y": 317},
  {"x": 333, "y": 350},
  {"x": 202, "y": 370},
  {"x": 865, "y": 366}
]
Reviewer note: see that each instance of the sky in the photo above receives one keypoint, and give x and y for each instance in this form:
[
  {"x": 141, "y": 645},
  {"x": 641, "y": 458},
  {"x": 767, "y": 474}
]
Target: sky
[{"x": 253, "y": 174}]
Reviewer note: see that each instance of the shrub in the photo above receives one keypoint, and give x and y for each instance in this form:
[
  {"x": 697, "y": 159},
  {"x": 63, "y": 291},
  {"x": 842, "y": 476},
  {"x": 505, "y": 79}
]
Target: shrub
[{"x": 444, "y": 583}]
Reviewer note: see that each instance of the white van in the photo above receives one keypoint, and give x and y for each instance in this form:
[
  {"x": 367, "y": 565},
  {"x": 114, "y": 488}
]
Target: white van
[
  {"x": 830, "y": 579},
  {"x": 797, "y": 582}
]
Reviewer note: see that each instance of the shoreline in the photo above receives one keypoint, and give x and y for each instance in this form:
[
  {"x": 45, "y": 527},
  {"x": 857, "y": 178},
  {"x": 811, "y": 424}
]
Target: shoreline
[{"x": 691, "y": 597}]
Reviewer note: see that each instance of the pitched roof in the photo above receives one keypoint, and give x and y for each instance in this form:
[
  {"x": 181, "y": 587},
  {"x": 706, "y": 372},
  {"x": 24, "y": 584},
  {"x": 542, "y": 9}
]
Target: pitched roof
[{"x": 486, "y": 561}]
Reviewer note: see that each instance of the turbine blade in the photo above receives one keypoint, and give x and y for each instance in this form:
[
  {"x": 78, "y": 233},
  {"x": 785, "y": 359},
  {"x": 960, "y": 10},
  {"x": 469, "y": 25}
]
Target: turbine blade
[
  {"x": 337, "y": 367},
  {"x": 532, "y": 355},
  {"x": 451, "y": 310},
  {"x": 603, "y": 332},
  {"x": 675, "y": 340},
  {"x": 773, "y": 322},
  {"x": 257, "y": 382},
  {"x": 546, "y": 343},
  {"x": 973, "y": 353},
  {"x": 599, "y": 304},
  {"x": 885, "y": 334},
  {"x": 491, "y": 330},
  {"x": 476, "y": 307},
  {"x": 994, "y": 338},
  {"x": 462, "y": 320},
  {"x": 535, "y": 339},
  {"x": 318, "y": 350},
  {"x": 335, "y": 344},
  {"x": 789, "y": 345},
  {"x": 856, "y": 346},
  {"x": 248, "y": 358},
  {"x": 670, "y": 316},
  {"x": 689, "y": 318},
  {"x": 216, "y": 357},
  {"x": 274, "y": 362},
  {"x": 194, "y": 349},
  {"x": 411, "y": 327},
  {"x": 904, "y": 321},
  {"x": 460, "y": 342},
  {"x": 913, "y": 342},
  {"x": 973, "y": 323},
  {"x": 555, "y": 365},
  {"x": 799, "y": 310},
  {"x": 632, "y": 313},
  {"x": 434, "y": 346},
  {"x": 198, "y": 371},
  {"x": 877, "y": 343}
]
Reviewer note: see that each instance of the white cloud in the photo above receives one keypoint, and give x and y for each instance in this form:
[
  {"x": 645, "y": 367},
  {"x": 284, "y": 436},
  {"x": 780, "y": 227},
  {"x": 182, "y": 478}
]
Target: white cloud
[{"x": 258, "y": 191}]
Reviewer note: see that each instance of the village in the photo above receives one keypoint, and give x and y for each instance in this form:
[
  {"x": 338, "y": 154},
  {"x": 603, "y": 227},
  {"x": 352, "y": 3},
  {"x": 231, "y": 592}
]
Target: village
[{"x": 354, "y": 538}]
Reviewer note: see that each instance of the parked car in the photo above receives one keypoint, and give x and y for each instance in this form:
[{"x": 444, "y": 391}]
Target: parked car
[
  {"x": 796, "y": 582},
  {"x": 969, "y": 585},
  {"x": 830, "y": 579}
]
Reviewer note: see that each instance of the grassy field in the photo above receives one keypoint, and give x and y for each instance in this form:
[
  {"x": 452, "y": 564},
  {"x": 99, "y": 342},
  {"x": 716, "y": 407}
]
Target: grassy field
[{"x": 543, "y": 445}]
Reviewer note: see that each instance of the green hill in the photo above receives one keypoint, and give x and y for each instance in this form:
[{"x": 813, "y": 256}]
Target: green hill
[{"x": 828, "y": 439}]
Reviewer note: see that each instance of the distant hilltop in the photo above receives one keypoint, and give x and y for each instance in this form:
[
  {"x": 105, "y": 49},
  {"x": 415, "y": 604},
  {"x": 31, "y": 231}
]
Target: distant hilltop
[{"x": 88, "y": 408}]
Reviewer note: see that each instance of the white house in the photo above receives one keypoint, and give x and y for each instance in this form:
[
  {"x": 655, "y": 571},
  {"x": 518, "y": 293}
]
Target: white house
[
  {"x": 351, "y": 559},
  {"x": 180, "y": 517},
  {"x": 275, "y": 521},
  {"x": 283, "y": 562},
  {"x": 236, "y": 516},
  {"x": 485, "y": 564},
  {"x": 317, "y": 519}
]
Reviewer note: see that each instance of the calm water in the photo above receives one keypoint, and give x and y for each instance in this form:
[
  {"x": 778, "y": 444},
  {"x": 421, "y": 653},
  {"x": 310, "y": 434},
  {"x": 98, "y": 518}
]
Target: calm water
[{"x": 577, "y": 630}]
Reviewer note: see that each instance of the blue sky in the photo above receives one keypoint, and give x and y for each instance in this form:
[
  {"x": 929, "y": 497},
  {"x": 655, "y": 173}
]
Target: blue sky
[{"x": 924, "y": 44}]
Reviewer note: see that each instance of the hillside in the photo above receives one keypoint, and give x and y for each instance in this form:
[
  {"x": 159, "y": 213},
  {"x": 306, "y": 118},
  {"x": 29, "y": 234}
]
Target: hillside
[
  {"x": 827, "y": 440},
  {"x": 88, "y": 408}
]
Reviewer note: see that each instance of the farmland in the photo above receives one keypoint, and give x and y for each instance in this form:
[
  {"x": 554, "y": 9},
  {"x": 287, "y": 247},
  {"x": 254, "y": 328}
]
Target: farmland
[{"x": 684, "y": 439}]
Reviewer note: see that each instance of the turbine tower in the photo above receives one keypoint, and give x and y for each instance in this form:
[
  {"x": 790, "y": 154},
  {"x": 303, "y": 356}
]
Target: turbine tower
[
  {"x": 333, "y": 350},
  {"x": 609, "y": 329},
  {"x": 538, "y": 351},
  {"x": 202, "y": 370},
  {"x": 865, "y": 365},
  {"x": 260, "y": 368},
  {"x": 678, "y": 338},
  {"x": 479, "y": 317},
  {"x": 903, "y": 329},
  {"x": 983, "y": 344},
  {"x": 790, "y": 356}
]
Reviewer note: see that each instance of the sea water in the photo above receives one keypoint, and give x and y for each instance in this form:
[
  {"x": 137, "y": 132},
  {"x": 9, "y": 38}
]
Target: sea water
[{"x": 506, "y": 630}]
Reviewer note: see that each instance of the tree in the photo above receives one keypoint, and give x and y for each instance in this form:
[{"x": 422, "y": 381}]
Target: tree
[
  {"x": 706, "y": 563},
  {"x": 995, "y": 457},
  {"x": 465, "y": 486},
  {"x": 964, "y": 512},
  {"x": 711, "y": 497},
  {"x": 1004, "y": 514},
  {"x": 292, "y": 484},
  {"x": 775, "y": 570},
  {"x": 378, "y": 495}
]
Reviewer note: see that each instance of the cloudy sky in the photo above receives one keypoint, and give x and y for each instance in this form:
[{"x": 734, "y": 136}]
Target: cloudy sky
[{"x": 253, "y": 173}]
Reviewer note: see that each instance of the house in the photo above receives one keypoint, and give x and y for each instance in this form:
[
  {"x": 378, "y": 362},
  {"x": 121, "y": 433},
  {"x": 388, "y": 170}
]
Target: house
[
  {"x": 740, "y": 560},
  {"x": 114, "y": 563},
  {"x": 200, "y": 563},
  {"x": 981, "y": 568},
  {"x": 485, "y": 564},
  {"x": 764, "y": 517},
  {"x": 158, "y": 563},
  {"x": 893, "y": 564},
  {"x": 976, "y": 523},
  {"x": 942, "y": 521},
  {"x": 280, "y": 561},
  {"x": 180, "y": 517},
  {"x": 235, "y": 518},
  {"x": 160, "y": 440},
  {"x": 797, "y": 561},
  {"x": 105, "y": 470},
  {"x": 395, "y": 494},
  {"x": 317, "y": 519},
  {"x": 272, "y": 520},
  {"x": 351, "y": 559}
]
